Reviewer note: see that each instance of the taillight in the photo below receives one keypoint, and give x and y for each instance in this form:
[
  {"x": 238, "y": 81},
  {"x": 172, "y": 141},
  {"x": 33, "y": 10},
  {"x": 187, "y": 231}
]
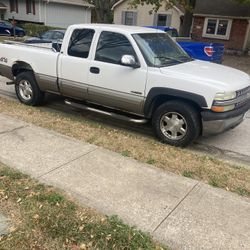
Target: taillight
[{"x": 209, "y": 51}]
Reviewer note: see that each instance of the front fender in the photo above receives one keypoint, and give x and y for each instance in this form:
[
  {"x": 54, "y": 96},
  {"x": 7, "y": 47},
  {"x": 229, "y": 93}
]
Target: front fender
[{"x": 169, "y": 93}]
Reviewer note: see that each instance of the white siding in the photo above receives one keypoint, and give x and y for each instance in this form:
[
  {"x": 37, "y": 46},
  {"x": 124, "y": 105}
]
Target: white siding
[
  {"x": 59, "y": 15},
  {"x": 21, "y": 15},
  {"x": 144, "y": 18},
  {"x": 52, "y": 14}
]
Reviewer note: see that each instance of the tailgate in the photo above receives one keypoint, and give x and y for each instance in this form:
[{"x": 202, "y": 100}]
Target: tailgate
[{"x": 219, "y": 49}]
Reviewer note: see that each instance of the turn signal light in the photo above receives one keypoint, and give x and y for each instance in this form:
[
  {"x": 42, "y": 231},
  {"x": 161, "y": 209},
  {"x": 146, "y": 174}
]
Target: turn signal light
[
  {"x": 217, "y": 109},
  {"x": 220, "y": 109}
]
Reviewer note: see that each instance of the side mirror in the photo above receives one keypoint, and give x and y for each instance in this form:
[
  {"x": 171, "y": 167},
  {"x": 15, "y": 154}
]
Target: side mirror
[{"x": 129, "y": 60}]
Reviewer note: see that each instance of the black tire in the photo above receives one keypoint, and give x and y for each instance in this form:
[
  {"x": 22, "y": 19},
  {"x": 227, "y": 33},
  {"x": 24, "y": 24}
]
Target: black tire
[
  {"x": 20, "y": 34},
  {"x": 176, "y": 123},
  {"x": 27, "y": 89}
]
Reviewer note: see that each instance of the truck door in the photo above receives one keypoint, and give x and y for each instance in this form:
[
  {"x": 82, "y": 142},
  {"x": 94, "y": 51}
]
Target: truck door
[
  {"x": 112, "y": 84},
  {"x": 74, "y": 64}
]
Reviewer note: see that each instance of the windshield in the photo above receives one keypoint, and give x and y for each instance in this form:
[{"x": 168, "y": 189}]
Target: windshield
[{"x": 159, "y": 50}]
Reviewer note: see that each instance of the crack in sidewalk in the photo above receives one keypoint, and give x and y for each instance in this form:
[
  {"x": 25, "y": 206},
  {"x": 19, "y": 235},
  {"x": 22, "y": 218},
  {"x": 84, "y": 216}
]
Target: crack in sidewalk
[
  {"x": 65, "y": 164},
  {"x": 13, "y": 130},
  {"x": 177, "y": 205}
]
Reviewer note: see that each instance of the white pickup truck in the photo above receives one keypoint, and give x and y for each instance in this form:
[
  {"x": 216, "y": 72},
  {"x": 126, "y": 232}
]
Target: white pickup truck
[{"x": 132, "y": 73}]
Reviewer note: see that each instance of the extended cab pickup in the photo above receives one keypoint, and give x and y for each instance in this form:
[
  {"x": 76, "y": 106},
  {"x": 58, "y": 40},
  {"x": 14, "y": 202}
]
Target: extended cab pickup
[{"x": 133, "y": 73}]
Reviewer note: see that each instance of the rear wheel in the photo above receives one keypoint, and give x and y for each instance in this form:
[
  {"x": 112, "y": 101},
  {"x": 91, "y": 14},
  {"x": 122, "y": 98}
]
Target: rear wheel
[
  {"x": 176, "y": 123},
  {"x": 27, "y": 89}
]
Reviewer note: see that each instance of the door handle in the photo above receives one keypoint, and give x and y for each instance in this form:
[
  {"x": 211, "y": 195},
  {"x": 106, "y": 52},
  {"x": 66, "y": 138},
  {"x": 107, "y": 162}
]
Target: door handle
[{"x": 94, "y": 70}]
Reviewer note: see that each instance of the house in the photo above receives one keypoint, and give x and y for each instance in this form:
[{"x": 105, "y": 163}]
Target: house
[
  {"x": 142, "y": 16},
  {"x": 58, "y": 13},
  {"x": 222, "y": 21}
]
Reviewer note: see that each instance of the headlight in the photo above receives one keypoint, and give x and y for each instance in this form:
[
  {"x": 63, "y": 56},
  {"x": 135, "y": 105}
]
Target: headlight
[
  {"x": 224, "y": 102},
  {"x": 225, "y": 96}
]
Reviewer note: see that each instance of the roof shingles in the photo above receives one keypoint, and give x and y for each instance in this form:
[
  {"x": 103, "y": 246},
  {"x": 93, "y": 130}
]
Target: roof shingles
[
  {"x": 222, "y": 8},
  {"x": 70, "y": 2}
]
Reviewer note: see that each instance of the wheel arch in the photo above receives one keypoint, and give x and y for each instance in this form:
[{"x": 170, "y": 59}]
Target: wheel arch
[
  {"x": 21, "y": 66},
  {"x": 158, "y": 96}
]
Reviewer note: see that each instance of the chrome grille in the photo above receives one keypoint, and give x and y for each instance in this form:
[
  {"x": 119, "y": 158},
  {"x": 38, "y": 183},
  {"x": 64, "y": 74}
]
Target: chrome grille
[
  {"x": 243, "y": 92},
  {"x": 243, "y": 97}
]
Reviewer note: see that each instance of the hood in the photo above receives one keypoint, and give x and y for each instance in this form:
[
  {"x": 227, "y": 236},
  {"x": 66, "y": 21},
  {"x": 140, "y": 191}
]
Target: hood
[{"x": 221, "y": 77}]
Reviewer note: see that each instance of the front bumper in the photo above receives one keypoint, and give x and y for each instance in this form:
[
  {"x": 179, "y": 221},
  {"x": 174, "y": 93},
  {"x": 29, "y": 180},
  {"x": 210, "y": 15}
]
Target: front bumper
[
  {"x": 219, "y": 126},
  {"x": 215, "y": 123}
]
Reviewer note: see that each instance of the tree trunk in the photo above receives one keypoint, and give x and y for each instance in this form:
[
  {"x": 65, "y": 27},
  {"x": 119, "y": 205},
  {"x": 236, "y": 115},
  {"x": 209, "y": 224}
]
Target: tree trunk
[
  {"x": 101, "y": 16},
  {"x": 186, "y": 24},
  {"x": 103, "y": 13}
]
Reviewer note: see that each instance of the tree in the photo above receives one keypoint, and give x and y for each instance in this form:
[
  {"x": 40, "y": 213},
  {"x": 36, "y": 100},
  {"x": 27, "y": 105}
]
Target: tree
[
  {"x": 243, "y": 1},
  {"x": 103, "y": 13},
  {"x": 188, "y": 5}
]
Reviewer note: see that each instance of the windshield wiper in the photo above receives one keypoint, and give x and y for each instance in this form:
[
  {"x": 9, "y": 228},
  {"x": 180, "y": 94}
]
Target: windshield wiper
[
  {"x": 169, "y": 58},
  {"x": 172, "y": 60},
  {"x": 186, "y": 58}
]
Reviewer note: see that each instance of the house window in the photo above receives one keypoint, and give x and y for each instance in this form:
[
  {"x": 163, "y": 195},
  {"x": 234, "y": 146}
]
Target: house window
[
  {"x": 217, "y": 28},
  {"x": 30, "y": 7},
  {"x": 163, "y": 19},
  {"x": 129, "y": 17},
  {"x": 14, "y": 6}
]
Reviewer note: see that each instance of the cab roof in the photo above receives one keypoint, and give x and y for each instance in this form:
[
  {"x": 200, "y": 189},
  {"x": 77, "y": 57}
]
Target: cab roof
[{"x": 116, "y": 28}]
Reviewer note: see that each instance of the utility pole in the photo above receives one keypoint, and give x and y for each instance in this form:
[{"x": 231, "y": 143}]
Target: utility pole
[{"x": 13, "y": 22}]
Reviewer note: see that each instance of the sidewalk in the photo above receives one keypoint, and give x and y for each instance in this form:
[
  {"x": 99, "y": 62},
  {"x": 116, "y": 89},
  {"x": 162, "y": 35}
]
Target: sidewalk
[{"x": 180, "y": 212}]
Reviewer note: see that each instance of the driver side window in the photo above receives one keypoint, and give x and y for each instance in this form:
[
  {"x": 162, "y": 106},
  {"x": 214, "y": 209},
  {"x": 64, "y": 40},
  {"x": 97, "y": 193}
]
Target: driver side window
[{"x": 112, "y": 46}]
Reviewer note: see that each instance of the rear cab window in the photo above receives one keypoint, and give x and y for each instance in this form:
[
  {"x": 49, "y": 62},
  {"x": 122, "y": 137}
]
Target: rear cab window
[{"x": 80, "y": 43}]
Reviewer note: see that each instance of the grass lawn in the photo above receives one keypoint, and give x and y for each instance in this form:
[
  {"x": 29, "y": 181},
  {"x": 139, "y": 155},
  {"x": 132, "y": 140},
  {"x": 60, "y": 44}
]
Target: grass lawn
[
  {"x": 2, "y": 38},
  {"x": 148, "y": 150},
  {"x": 43, "y": 218},
  {"x": 18, "y": 39}
]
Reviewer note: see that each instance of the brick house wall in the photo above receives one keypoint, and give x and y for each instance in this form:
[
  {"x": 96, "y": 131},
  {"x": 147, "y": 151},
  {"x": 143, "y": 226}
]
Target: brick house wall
[{"x": 237, "y": 35}]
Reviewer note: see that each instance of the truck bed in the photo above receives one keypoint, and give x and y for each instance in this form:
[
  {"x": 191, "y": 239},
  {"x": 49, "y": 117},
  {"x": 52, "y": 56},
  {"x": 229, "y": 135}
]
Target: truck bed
[{"x": 41, "y": 57}]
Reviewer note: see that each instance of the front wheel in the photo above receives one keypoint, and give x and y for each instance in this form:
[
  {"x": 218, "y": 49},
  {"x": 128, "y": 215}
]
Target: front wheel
[
  {"x": 27, "y": 89},
  {"x": 176, "y": 123}
]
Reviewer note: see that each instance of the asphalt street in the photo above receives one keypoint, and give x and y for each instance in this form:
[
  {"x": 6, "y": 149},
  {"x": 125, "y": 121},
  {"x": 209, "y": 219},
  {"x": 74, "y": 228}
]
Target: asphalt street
[{"x": 233, "y": 145}]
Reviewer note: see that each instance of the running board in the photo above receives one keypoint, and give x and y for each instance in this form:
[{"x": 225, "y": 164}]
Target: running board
[{"x": 111, "y": 114}]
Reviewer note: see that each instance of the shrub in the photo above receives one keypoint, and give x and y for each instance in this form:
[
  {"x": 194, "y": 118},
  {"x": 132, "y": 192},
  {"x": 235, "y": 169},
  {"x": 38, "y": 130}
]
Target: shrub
[{"x": 35, "y": 29}]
